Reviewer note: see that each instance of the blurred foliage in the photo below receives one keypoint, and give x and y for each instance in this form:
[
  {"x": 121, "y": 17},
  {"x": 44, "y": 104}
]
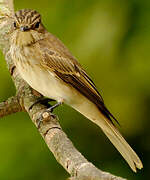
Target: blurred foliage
[{"x": 110, "y": 38}]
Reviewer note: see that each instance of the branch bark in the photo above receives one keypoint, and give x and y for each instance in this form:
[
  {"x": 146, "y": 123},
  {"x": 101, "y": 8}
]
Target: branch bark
[
  {"x": 57, "y": 141},
  {"x": 10, "y": 106}
]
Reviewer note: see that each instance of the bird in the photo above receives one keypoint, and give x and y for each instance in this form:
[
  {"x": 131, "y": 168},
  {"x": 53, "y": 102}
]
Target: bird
[{"x": 47, "y": 65}]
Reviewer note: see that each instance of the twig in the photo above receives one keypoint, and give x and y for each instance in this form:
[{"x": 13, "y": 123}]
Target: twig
[{"x": 10, "y": 106}]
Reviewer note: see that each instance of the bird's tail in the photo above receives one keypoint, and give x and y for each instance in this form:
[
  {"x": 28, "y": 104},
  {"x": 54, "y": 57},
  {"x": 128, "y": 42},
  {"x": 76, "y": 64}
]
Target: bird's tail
[
  {"x": 121, "y": 144},
  {"x": 89, "y": 110}
]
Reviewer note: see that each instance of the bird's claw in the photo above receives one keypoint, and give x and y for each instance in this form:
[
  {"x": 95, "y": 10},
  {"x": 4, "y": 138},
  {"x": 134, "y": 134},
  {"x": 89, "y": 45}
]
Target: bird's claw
[
  {"x": 39, "y": 121},
  {"x": 45, "y": 116},
  {"x": 43, "y": 101}
]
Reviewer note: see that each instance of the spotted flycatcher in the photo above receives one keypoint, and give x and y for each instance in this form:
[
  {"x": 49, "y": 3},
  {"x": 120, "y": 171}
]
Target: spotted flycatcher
[{"x": 48, "y": 67}]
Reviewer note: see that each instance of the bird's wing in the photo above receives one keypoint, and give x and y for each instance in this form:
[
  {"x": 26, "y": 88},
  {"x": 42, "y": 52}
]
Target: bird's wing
[{"x": 71, "y": 72}]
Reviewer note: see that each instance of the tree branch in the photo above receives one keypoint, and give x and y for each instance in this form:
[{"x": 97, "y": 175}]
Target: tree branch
[
  {"x": 10, "y": 106},
  {"x": 58, "y": 143}
]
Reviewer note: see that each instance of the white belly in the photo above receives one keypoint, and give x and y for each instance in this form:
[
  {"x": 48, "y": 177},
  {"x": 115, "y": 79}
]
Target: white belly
[{"x": 47, "y": 83}]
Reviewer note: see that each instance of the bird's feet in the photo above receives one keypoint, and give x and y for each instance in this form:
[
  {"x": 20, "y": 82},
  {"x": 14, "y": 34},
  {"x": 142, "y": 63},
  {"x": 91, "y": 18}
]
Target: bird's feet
[
  {"x": 43, "y": 101},
  {"x": 44, "y": 115}
]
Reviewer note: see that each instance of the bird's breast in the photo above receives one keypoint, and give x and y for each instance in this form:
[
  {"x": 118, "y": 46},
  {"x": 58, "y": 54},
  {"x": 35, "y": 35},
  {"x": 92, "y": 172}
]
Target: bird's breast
[{"x": 41, "y": 79}]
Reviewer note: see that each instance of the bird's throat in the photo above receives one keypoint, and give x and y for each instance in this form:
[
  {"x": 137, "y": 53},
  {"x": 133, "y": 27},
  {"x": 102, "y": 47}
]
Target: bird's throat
[{"x": 26, "y": 38}]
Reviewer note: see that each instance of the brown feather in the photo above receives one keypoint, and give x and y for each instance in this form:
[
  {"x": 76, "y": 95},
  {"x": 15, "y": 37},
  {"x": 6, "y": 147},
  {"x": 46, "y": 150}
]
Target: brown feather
[{"x": 66, "y": 67}]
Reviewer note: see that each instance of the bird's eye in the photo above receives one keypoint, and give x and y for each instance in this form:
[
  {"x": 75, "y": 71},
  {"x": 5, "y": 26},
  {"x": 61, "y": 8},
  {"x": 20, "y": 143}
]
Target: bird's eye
[
  {"x": 15, "y": 25},
  {"x": 37, "y": 25}
]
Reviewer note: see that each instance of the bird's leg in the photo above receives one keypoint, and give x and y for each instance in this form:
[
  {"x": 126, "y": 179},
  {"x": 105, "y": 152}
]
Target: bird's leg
[
  {"x": 43, "y": 101},
  {"x": 49, "y": 110}
]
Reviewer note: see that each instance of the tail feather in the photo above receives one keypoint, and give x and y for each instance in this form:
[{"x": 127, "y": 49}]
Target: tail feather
[
  {"x": 89, "y": 110},
  {"x": 121, "y": 145}
]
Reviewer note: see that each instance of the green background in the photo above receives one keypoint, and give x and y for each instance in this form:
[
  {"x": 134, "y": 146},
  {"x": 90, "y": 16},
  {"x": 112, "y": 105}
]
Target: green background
[{"x": 110, "y": 38}]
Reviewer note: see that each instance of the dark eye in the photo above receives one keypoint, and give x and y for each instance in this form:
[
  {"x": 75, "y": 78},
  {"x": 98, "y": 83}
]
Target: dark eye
[
  {"x": 37, "y": 25},
  {"x": 15, "y": 25}
]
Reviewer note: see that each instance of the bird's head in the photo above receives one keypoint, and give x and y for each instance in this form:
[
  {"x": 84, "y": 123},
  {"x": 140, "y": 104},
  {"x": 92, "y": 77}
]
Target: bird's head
[{"x": 27, "y": 27}]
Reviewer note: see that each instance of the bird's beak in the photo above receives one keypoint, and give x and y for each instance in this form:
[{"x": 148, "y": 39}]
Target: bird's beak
[{"x": 24, "y": 28}]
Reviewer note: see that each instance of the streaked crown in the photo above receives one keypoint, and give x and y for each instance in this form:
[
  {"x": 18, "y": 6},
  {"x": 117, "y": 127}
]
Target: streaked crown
[{"x": 27, "y": 19}]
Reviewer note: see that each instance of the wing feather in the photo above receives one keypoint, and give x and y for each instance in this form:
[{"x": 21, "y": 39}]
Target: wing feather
[{"x": 70, "y": 71}]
